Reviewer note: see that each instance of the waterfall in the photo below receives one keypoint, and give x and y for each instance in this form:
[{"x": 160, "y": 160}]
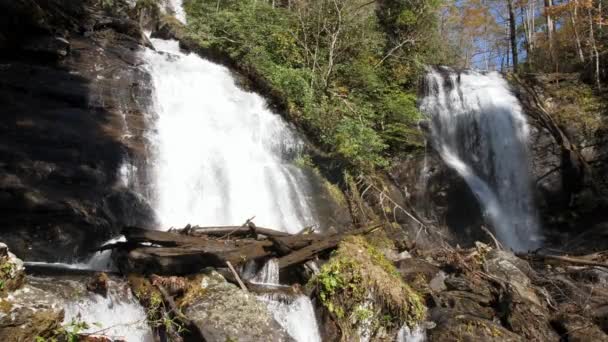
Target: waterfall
[
  {"x": 221, "y": 155},
  {"x": 405, "y": 334},
  {"x": 478, "y": 128},
  {"x": 269, "y": 274},
  {"x": 295, "y": 313},
  {"x": 117, "y": 315}
]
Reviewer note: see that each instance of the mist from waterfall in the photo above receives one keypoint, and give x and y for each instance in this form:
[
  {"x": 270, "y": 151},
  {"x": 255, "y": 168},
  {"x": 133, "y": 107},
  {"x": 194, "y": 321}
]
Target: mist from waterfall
[
  {"x": 221, "y": 156},
  {"x": 478, "y": 128}
]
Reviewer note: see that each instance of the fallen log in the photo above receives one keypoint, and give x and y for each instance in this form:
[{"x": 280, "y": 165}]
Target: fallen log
[
  {"x": 234, "y": 231},
  {"x": 153, "y": 251},
  {"x": 258, "y": 288},
  {"x": 307, "y": 253},
  {"x": 565, "y": 259}
]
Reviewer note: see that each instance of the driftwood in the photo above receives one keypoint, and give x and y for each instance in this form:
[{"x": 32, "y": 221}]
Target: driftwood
[
  {"x": 233, "y": 231},
  {"x": 174, "y": 312},
  {"x": 564, "y": 259},
  {"x": 237, "y": 277},
  {"x": 258, "y": 288},
  {"x": 189, "y": 250}
]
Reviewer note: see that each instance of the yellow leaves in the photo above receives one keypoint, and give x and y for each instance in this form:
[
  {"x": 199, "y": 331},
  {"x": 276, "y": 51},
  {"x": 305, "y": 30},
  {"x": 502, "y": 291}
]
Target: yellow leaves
[{"x": 568, "y": 7}]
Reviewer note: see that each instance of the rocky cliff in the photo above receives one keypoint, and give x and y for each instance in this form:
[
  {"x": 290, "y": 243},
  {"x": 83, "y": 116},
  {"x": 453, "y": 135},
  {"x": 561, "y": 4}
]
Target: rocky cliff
[{"x": 73, "y": 101}]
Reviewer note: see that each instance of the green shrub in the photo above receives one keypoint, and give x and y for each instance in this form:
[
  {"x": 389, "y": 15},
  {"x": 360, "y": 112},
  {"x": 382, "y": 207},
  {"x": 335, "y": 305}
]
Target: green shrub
[{"x": 354, "y": 106}]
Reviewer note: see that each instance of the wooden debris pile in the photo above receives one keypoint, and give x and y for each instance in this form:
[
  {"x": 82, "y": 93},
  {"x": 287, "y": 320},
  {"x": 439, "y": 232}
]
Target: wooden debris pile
[{"x": 191, "y": 249}]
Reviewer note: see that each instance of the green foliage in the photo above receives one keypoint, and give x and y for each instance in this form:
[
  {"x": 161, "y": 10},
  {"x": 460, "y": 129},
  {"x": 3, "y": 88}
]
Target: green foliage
[
  {"x": 107, "y": 4},
  {"x": 359, "y": 143},
  {"x": 69, "y": 332},
  {"x": 325, "y": 61}
]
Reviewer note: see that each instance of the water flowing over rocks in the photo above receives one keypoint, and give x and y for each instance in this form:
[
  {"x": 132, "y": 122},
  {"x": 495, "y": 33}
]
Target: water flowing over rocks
[
  {"x": 478, "y": 128},
  {"x": 91, "y": 113},
  {"x": 227, "y": 313}
]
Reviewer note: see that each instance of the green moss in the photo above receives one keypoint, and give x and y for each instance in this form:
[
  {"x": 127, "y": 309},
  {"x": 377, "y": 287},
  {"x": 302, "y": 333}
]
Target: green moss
[
  {"x": 359, "y": 280},
  {"x": 193, "y": 292},
  {"x": 149, "y": 297},
  {"x": 335, "y": 192},
  {"x": 577, "y": 107},
  {"x": 10, "y": 278}
]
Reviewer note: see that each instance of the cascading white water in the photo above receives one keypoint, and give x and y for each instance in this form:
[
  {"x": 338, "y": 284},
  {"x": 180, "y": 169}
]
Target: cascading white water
[
  {"x": 222, "y": 156},
  {"x": 117, "y": 315},
  {"x": 295, "y": 314},
  {"x": 268, "y": 274},
  {"x": 405, "y": 334},
  {"x": 178, "y": 9},
  {"x": 478, "y": 128}
]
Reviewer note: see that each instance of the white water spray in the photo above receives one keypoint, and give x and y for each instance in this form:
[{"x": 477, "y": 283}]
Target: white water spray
[{"x": 478, "y": 128}]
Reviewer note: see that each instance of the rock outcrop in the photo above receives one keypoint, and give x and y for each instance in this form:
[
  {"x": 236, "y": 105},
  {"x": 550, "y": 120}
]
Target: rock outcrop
[
  {"x": 73, "y": 99},
  {"x": 223, "y": 312}
]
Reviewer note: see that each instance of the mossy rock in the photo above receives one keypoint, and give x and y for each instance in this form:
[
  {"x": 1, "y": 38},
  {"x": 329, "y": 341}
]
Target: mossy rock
[
  {"x": 365, "y": 293},
  {"x": 34, "y": 324},
  {"x": 223, "y": 312},
  {"x": 12, "y": 272}
]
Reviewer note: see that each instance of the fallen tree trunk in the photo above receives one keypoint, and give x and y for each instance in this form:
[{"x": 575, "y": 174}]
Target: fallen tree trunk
[
  {"x": 234, "y": 231},
  {"x": 180, "y": 252},
  {"x": 563, "y": 259},
  {"x": 307, "y": 253}
]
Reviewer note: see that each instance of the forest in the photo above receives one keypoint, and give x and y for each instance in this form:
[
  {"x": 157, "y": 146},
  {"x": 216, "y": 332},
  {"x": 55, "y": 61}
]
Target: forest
[
  {"x": 348, "y": 70},
  {"x": 303, "y": 170}
]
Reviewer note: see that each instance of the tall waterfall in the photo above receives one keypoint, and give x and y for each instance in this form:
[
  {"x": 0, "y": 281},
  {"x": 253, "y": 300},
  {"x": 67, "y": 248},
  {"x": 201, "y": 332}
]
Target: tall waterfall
[
  {"x": 221, "y": 155},
  {"x": 478, "y": 128}
]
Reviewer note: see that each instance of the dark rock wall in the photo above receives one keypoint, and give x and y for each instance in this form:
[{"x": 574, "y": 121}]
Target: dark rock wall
[
  {"x": 72, "y": 113},
  {"x": 569, "y": 156}
]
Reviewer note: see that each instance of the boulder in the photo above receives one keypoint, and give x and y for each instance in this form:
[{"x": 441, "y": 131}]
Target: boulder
[
  {"x": 12, "y": 272},
  {"x": 521, "y": 310},
  {"x": 468, "y": 328},
  {"x": 99, "y": 284},
  {"x": 223, "y": 312},
  {"x": 28, "y": 313}
]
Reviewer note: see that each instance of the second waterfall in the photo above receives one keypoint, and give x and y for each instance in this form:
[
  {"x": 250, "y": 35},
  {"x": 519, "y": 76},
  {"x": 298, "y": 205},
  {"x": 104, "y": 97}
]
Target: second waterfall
[{"x": 478, "y": 128}]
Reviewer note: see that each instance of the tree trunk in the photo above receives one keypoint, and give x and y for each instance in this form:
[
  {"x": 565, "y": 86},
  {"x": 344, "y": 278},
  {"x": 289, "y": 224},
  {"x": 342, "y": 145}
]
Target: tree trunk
[
  {"x": 577, "y": 39},
  {"x": 550, "y": 30},
  {"x": 526, "y": 25},
  {"x": 512, "y": 34},
  {"x": 595, "y": 52}
]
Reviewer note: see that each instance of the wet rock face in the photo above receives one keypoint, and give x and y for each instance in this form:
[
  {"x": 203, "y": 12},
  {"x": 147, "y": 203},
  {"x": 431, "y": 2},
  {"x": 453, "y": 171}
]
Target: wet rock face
[
  {"x": 223, "y": 312},
  {"x": 73, "y": 105},
  {"x": 439, "y": 195},
  {"x": 570, "y": 194},
  {"x": 25, "y": 312}
]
